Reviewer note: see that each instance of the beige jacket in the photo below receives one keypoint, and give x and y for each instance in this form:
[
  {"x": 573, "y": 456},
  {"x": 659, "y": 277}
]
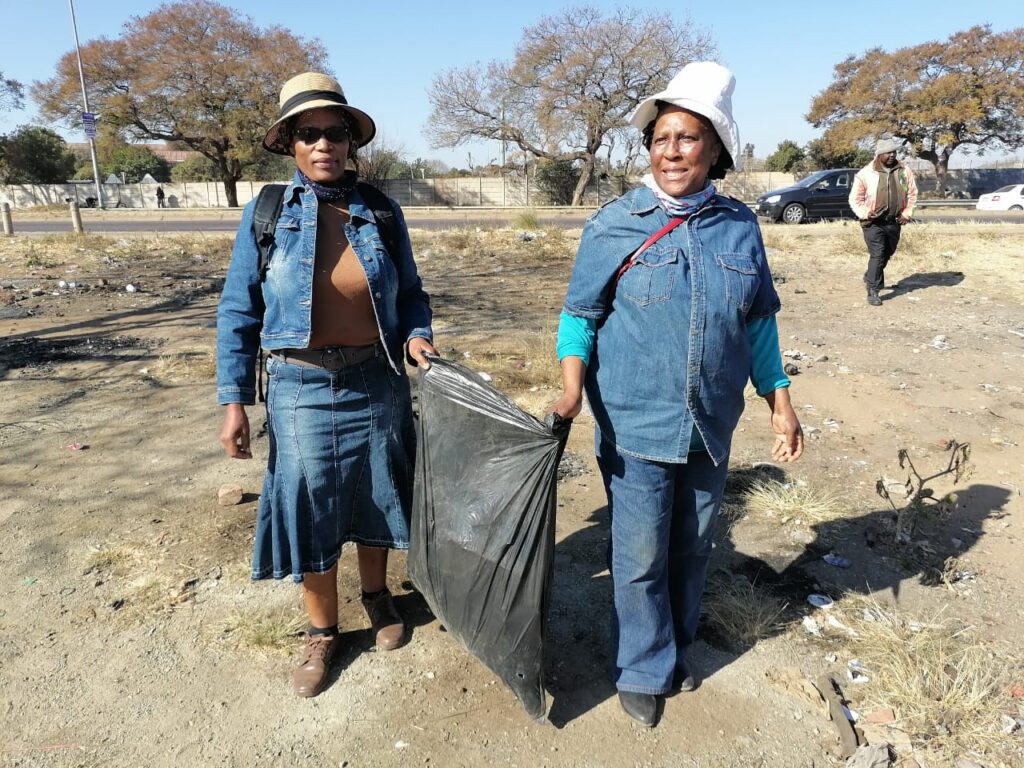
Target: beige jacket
[{"x": 865, "y": 184}]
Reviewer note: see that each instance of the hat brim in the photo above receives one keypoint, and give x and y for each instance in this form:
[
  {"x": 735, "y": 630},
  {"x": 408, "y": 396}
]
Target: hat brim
[
  {"x": 272, "y": 141},
  {"x": 727, "y": 130}
]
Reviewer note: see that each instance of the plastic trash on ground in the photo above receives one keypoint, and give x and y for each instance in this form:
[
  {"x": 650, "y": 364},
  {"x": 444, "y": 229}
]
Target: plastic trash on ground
[{"x": 483, "y": 522}]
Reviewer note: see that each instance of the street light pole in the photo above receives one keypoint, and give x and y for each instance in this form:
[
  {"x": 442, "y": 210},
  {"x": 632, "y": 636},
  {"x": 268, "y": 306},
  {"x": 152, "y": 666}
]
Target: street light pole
[{"x": 85, "y": 102}]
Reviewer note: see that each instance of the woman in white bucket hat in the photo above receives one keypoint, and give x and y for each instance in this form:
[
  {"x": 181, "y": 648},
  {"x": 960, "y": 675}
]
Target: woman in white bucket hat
[
  {"x": 336, "y": 299},
  {"x": 669, "y": 312}
]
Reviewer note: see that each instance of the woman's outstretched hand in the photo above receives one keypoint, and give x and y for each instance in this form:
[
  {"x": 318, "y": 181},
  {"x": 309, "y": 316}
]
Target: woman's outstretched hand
[
  {"x": 568, "y": 406},
  {"x": 789, "y": 436}
]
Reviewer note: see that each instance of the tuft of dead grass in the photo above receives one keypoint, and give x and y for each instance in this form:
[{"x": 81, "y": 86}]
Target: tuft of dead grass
[
  {"x": 114, "y": 560},
  {"x": 187, "y": 365},
  {"x": 793, "y": 501},
  {"x": 948, "y": 689},
  {"x": 526, "y": 219},
  {"x": 741, "y": 613},
  {"x": 265, "y": 632}
]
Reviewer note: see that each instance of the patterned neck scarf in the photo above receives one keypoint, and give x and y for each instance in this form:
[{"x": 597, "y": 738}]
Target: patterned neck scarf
[
  {"x": 679, "y": 206},
  {"x": 331, "y": 192}
]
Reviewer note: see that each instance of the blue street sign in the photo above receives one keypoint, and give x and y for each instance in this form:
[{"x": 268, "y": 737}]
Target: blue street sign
[{"x": 89, "y": 124}]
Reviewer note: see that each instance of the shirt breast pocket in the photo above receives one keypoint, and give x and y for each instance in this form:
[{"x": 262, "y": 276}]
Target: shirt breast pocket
[
  {"x": 287, "y": 235},
  {"x": 651, "y": 278},
  {"x": 741, "y": 279}
]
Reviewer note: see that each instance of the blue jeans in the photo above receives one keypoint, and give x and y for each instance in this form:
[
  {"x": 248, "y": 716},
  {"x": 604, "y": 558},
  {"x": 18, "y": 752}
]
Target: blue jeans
[{"x": 663, "y": 520}]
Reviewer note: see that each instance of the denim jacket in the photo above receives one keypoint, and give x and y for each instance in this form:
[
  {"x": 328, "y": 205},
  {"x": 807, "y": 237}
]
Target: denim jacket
[
  {"x": 671, "y": 351},
  {"x": 276, "y": 313}
]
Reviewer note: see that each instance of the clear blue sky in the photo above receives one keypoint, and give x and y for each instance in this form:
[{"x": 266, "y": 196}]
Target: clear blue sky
[{"x": 385, "y": 54}]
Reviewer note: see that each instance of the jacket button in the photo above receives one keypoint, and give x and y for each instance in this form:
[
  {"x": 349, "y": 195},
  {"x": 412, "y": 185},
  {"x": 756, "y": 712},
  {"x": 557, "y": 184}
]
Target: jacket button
[{"x": 377, "y": 294}]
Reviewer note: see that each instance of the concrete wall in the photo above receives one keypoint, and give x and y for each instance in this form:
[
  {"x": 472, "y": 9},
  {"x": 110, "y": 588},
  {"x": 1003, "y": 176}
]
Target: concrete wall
[{"x": 489, "y": 191}]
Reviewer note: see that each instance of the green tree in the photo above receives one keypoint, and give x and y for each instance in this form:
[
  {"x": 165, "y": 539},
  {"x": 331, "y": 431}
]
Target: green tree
[
  {"x": 33, "y": 155},
  {"x": 785, "y": 158},
  {"x": 11, "y": 94},
  {"x": 557, "y": 179},
  {"x": 135, "y": 162},
  {"x": 192, "y": 72},
  {"x": 195, "y": 168},
  {"x": 967, "y": 91},
  {"x": 270, "y": 167},
  {"x": 821, "y": 155},
  {"x": 566, "y": 93}
]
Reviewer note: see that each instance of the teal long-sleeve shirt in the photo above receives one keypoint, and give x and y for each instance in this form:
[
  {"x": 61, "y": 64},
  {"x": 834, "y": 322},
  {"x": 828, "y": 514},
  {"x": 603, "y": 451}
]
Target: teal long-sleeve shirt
[{"x": 576, "y": 338}]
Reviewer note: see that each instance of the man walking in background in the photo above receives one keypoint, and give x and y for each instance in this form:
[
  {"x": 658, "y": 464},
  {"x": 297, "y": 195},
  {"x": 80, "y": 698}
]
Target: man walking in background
[{"x": 882, "y": 196}]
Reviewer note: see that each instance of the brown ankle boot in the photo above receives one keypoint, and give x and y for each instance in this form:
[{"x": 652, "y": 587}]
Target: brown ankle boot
[
  {"x": 387, "y": 625},
  {"x": 309, "y": 677}
]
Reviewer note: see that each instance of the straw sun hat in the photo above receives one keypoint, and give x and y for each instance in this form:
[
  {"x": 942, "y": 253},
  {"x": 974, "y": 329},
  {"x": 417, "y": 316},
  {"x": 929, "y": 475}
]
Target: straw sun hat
[{"x": 311, "y": 90}]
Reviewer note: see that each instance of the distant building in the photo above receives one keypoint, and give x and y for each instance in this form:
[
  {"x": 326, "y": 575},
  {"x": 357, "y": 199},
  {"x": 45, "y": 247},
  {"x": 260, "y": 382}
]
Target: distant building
[{"x": 172, "y": 156}]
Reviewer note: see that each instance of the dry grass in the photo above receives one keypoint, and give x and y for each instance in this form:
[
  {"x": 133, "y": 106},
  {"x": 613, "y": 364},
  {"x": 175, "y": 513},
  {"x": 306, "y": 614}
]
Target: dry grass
[
  {"x": 947, "y": 688},
  {"x": 266, "y": 632},
  {"x": 740, "y": 613},
  {"x": 526, "y": 219},
  {"x": 794, "y": 501},
  {"x": 112, "y": 560},
  {"x": 187, "y": 365}
]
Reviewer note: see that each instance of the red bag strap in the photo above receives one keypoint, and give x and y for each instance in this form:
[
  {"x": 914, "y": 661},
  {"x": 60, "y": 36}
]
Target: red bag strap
[{"x": 672, "y": 224}]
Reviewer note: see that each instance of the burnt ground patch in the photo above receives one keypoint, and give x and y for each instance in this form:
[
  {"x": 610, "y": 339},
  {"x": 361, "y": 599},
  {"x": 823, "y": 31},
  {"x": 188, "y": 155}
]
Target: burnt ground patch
[{"x": 37, "y": 353}]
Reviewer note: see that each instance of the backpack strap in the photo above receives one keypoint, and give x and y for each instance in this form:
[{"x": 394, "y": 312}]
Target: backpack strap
[
  {"x": 631, "y": 260},
  {"x": 378, "y": 202},
  {"x": 264, "y": 221}
]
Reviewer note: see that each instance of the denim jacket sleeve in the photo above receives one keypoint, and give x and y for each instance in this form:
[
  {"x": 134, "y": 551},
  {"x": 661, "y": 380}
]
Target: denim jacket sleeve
[
  {"x": 593, "y": 273},
  {"x": 240, "y": 319},
  {"x": 414, "y": 313}
]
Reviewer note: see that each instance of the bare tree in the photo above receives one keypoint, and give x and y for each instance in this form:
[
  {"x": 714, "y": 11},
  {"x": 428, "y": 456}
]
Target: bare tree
[
  {"x": 574, "y": 79},
  {"x": 11, "y": 94},
  {"x": 192, "y": 72}
]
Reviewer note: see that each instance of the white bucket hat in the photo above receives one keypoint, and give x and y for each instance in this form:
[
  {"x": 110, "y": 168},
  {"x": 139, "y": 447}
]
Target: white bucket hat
[
  {"x": 311, "y": 90},
  {"x": 704, "y": 87}
]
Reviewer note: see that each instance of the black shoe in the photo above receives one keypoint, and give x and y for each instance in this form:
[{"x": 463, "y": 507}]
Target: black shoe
[
  {"x": 873, "y": 298},
  {"x": 642, "y": 707},
  {"x": 683, "y": 680}
]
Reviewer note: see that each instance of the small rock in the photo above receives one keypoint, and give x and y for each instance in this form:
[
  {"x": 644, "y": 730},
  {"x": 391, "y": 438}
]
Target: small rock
[
  {"x": 881, "y": 717},
  {"x": 101, "y": 283},
  {"x": 62, "y": 283},
  {"x": 791, "y": 369},
  {"x": 36, "y": 292},
  {"x": 821, "y": 359},
  {"x": 229, "y": 495},
  {"x": 1008, "y": 724}
]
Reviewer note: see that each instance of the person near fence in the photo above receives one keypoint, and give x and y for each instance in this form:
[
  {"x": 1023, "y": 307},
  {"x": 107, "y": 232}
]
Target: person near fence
[
  {"x": 883, "y": 196},
  {"x": 159, "y": 197},
  {"x": 663, "y": 339},
  {"x": 340, "y": 314}
]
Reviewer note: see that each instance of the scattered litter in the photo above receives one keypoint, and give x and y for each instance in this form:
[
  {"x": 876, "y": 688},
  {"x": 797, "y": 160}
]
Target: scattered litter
[
  {"x": 793, "y": 353},
  {"x": 831, "y": 423},
  {"x": 990, "y": 387},
  {"x": 855, "y": 672},
  {"x": 526, "y": 237},
  {"x": 28, "y": 581},
  {"x": 791, "y": 369},
  {"x": 844, "y": 369},
  {"x": 62, "y": 283},
  {"x": 851, "y": 714},
  {"x": 1008, "y": 724},
  {"x": 130, "y": 288},
  {"x": 820, "y": 601},
  {"x": 958, "y": 576},
  {"x": 811, "y": 626},
  {"x": 77, "y": 446},
  {"x": 941, "y": 342},
  {"x": 835, "y": 623},
  {"x": 831, "y": 658},
  {"x": 401, "y": 744},
  {"x": 836, "y": 561}
]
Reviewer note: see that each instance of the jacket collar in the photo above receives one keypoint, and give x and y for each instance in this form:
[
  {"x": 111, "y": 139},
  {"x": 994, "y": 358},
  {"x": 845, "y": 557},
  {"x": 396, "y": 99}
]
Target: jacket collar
[
  {"x": 644, "y": 201},
  {"x": 356, "y": 205}
]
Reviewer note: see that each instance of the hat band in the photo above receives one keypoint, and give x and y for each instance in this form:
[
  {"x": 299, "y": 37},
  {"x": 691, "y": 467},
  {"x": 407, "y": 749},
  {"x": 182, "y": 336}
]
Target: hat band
[{"x": 301, "y": 98}]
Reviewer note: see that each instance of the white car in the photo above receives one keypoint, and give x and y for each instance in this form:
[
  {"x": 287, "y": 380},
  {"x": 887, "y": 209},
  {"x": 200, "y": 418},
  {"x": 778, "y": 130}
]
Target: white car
[{"x": 1008, "y": 198}]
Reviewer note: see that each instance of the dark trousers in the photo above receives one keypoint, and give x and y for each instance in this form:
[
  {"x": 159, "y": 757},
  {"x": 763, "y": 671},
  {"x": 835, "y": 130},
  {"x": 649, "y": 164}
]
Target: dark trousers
[{"x": 881, "y": 237}]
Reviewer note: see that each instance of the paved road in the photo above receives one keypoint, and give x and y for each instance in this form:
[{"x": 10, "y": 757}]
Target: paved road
[{"x": 447, "y": 220}]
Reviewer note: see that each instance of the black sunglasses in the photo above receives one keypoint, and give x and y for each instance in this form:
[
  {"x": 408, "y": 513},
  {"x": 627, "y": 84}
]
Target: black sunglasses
[{"x": 311, "y": 135}]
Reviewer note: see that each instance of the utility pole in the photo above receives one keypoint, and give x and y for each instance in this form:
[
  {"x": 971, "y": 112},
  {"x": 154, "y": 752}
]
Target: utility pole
[{"x": 87, "y": 117}]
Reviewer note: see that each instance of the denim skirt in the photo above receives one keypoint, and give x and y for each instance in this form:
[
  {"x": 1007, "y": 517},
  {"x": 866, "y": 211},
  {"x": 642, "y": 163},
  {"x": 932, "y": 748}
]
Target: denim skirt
[{"x": 340, "y": 469}]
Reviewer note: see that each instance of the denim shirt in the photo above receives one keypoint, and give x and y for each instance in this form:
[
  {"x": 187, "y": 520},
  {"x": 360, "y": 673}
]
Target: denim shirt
[
  {"x": 672, "y": 351},
  {"x": 276, "y": 313}
]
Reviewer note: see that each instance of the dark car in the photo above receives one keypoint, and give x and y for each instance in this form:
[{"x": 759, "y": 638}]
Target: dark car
[{"x": 822, "y": 195}]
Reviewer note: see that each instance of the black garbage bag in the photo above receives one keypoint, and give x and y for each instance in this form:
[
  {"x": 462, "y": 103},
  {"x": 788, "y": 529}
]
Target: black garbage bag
[{"x": 483, "y": 522}]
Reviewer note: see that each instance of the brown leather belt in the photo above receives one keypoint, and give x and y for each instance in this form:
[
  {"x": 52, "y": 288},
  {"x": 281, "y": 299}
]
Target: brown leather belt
[{"x": 327, "y": 358}]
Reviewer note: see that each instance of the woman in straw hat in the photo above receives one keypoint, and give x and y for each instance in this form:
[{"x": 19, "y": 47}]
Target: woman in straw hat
[
  {"x": 670, "y": 310},
  {"x": 339, "y": 314}
]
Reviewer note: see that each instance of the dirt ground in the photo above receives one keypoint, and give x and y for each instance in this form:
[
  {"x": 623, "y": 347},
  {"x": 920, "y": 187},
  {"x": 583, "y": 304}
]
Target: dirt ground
[{"x": 130, "y": 633}]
